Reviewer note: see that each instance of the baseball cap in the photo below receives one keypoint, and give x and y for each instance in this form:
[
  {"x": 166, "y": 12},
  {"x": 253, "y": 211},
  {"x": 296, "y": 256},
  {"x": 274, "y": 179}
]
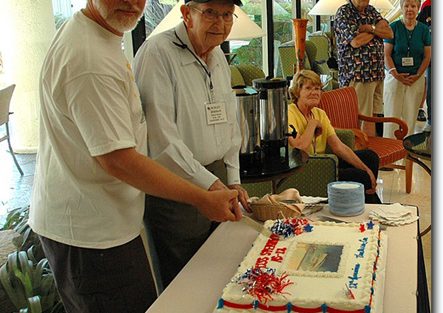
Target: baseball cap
[{"x": 237, "y": 2}]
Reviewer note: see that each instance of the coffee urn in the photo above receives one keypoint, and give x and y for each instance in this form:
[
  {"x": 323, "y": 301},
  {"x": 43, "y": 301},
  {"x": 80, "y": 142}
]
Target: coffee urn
[
  {"x": 272, "y": 94},
  {"x": 249, "y": 122}
]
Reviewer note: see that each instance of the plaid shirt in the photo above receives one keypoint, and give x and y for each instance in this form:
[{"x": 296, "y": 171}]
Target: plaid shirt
[{"x": 366, "y": 63}]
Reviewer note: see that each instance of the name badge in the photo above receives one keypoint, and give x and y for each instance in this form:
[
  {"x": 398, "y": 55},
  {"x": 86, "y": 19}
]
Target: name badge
[
  {"x": 216, "y": 113},
  {"x": 407, "y": 61}
]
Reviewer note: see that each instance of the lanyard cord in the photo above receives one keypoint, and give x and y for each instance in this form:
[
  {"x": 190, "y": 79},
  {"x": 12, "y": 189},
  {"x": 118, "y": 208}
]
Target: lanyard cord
[
  {"x": 409, "y": 34},
  {"x": 185, "y": 46}
]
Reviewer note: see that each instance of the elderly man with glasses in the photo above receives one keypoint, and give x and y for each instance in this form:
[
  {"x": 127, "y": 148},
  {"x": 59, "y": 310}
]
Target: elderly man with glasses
[{"x": 185, "y": 88}]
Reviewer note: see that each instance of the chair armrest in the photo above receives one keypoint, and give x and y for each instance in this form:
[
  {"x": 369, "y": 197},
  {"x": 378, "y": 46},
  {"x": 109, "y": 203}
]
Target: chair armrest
[
  {"x": 347, "y": 136},
  {"x": 314, "y": 177},
  {"x": 361, "y": 139},
  {"x": 258, "y": 189},
  {"x": 400, "y": 133}
]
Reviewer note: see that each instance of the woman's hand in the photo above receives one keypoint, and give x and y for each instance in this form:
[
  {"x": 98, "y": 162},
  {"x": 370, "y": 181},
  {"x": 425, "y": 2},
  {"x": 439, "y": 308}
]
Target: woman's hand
[
  {"x": 373, "y": 182},
  {"x": 412, "y": 79},
  {"x": 316, "y": 125},
  {"x": 403, "y": 78}
]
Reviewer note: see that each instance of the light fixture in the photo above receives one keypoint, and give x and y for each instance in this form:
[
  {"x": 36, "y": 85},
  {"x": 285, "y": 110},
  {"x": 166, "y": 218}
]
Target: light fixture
[
  {"x": 326, "y": 7},
  {"x": 330, "y": 7},
  {"x": 243, "y": 27},
  {"x": 382, "y": 5}
]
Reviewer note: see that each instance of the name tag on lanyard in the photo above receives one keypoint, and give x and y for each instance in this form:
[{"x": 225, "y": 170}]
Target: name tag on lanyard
[
  {"x": 407, "y": 61},
  {"x": 216, "y": 113}
]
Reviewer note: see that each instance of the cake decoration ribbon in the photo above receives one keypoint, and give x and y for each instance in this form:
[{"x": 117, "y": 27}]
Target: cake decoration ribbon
[
  {"x": 289, "y": 227},
  {"x": 262, "y": 283}
]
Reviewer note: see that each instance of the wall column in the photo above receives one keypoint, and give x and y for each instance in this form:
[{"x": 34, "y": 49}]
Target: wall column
[{"x": 26, "y": 30}]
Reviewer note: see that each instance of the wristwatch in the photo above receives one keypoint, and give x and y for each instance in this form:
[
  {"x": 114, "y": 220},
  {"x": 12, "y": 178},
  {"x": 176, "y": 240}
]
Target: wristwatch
[{"x": 373, "y": 29}]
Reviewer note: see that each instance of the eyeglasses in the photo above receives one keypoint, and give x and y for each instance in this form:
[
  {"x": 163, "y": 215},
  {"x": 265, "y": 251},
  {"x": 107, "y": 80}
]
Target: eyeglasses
[
  {"x": 212, "y": 15},
  {"x": 312, "y": 88}
]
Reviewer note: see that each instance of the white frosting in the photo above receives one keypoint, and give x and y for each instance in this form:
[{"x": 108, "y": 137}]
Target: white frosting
[
  {"x": 346, "y": 186},
  {"x": 313, "y": 288}
]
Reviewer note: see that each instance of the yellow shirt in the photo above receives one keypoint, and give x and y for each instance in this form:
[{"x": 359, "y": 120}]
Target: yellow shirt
[{"x": 297, "y": 119}]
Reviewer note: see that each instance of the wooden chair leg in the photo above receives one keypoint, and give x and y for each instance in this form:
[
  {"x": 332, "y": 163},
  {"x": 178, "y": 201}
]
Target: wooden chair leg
[{"x": 408, "y": 175}]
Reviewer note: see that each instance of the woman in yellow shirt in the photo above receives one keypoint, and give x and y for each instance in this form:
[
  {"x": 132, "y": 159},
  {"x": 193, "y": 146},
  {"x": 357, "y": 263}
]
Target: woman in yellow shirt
[{"x": 314, "y": 132}]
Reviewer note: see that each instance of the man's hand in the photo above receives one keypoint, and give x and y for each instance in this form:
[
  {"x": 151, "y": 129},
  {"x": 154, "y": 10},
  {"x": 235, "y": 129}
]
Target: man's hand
[
  {"x": 218, "y": 185},
  {"x": 218, "y": 206},
  {"x": 365, "y": 28},
  {"x": 242, "y": 196}
]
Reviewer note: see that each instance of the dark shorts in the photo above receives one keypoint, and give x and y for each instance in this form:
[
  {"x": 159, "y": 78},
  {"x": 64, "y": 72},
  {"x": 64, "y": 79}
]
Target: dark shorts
[{"x": 110, "y": 280}]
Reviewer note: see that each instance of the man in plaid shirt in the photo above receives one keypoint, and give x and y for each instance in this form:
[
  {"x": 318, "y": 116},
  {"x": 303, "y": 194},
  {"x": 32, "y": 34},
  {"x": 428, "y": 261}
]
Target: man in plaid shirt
[{"x": 360, "y": 30}]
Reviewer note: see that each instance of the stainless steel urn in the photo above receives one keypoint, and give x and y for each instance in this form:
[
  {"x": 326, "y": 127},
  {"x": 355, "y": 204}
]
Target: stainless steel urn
[
  {"x": 273, "y": 108},
  {"x": 248, "y": 115},
  {"x": 248, "y": 119},
  {"x": 273, "y": 123}
]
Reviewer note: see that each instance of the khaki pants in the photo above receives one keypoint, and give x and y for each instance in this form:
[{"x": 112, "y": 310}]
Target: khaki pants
[{"x": 370, "y": 97}]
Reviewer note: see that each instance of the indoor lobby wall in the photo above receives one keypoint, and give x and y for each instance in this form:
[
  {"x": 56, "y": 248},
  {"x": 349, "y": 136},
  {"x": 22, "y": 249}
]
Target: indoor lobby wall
[{"x": 26, "y": 30}]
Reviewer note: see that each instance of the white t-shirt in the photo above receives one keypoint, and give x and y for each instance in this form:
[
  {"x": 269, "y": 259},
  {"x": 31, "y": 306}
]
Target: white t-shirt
[
  {"x": 90, "y": 106},
  {"x": 174, "y": 88}
]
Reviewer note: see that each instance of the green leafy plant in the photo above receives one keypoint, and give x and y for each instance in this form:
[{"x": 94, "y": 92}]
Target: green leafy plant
[{"x": 26, "y": 276}]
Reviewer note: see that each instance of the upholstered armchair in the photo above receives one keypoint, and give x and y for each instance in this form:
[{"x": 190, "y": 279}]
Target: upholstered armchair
[
  {"x": 316, "y": 58},
  {"x": 319, "y": 171},
  {"x": 286, "y": 53},
  {"x": 243, "y": 74},
  {"x": 341, "y": 106},
  {"x": 323, "y": 44},
  {"x": 236, "y": 77}
]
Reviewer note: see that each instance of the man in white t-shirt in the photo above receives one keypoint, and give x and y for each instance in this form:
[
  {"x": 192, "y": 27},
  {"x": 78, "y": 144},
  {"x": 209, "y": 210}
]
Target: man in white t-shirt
[{"x": 92, "y": 171}]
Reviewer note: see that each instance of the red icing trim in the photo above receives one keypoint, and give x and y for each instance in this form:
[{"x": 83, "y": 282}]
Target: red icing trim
[
  {"x": 275, "y": 308},
  {"x": 237, "y": 305},
  {"x": 272, "y": 308}
]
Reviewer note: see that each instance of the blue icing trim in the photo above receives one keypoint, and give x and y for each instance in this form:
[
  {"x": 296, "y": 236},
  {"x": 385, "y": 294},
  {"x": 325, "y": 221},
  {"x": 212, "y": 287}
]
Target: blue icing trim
[
  {"x": 372, "y": 290},
  {"x": 255, "y": 304},
  {"x": 374, "y": 276},
  {"x": 353, "y": 279},
  {"x": 367, "y": 309},
  {"x": 324, "y": 308},
  {"x": 361, "y": 250},
  {"x": 308, "y": 228},
  {"x": 221, "y": 303},
  {"x": 289, "y": 307},
  {"x": 283, "y": 229}
]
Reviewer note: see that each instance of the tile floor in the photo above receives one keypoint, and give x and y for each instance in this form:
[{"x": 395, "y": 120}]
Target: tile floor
[{"x": 15, "y": 191}]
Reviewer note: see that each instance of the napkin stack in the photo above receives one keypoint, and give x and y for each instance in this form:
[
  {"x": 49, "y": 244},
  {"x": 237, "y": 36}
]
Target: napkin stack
[
  {"x": 290, "y": 198},
  {"x": 393, "y": 215}
]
